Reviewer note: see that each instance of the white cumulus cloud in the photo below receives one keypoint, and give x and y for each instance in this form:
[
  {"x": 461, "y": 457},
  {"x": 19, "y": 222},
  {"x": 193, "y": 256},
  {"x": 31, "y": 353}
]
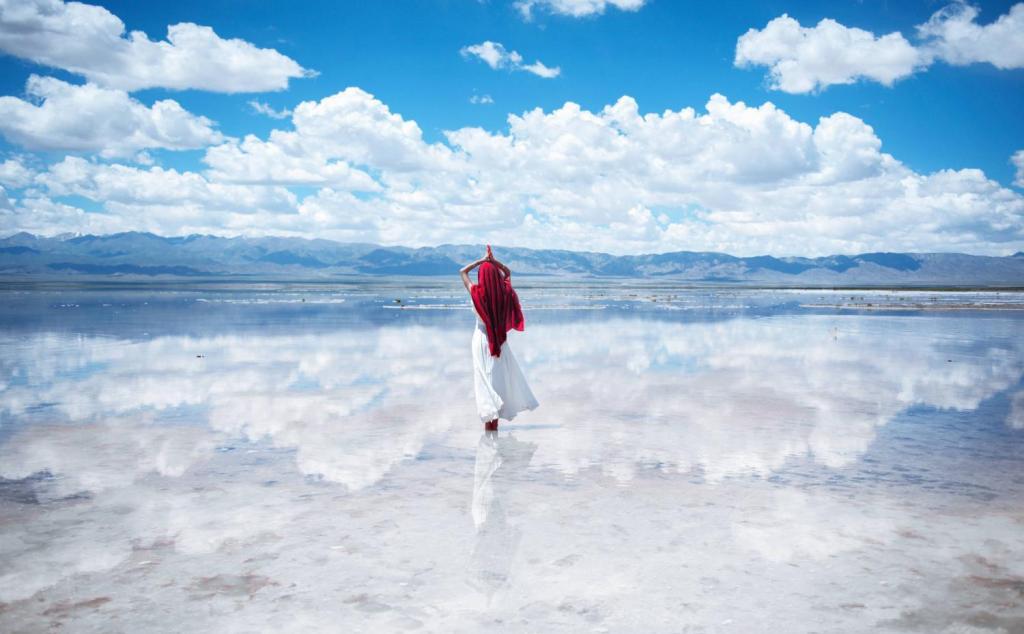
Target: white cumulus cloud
[
  {"x": 1018, "y": 161},
  {"x": 45, "y": 216},
  {"x": 745, "y": 179},
  {"x": 14, "y": 173},
  {"x": 90, "y": 41},
  {"x": 155, "y": 199},
  {"x": 804, "y": 59},
  {"x": 953, "y": 36},
  {"x": 576, "y": 8},
  {"x": 495, "y": 55},
  {"x": 104, "y": 182},
  {"x": 89, "y": 118},
  {"x": 539, "y": 69},
  {"x": 264, "y": 108},
  {"x": 253, "y": 160}
]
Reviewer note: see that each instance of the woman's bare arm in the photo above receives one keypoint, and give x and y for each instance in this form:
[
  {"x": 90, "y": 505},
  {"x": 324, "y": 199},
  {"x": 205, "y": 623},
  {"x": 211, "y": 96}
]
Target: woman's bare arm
[
  {"x": 464, "y": 272},
  {"x": 504, "y": 269}
]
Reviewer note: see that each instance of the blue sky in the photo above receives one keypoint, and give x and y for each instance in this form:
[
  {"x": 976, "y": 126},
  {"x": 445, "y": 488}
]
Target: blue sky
[{"x": 955, "y": 105}]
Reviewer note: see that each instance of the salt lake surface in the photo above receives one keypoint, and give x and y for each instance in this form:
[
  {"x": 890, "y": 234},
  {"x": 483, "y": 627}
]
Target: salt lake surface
[{"x": 236, "y": 458}]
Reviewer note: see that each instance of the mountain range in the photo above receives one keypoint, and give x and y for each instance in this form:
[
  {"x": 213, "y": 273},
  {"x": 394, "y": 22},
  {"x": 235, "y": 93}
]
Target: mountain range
[{"x": 136, "y": 255}]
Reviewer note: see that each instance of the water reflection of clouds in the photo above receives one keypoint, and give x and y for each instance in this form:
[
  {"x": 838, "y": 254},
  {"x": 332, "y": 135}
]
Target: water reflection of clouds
[
  {"x": 1015, "y": 417},
  {"x": 132, "y": 513},
  {"x": 98, "y": 456},
  {"x": 149, "y": 434},
  {"x": 731, "y": 397},
  {"x": 743, "y": 396},
  {"x": 350, "y": 403}
]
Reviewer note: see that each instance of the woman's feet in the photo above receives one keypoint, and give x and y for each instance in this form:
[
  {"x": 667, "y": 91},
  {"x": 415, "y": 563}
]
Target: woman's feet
[{"x": 491, "y": 425}]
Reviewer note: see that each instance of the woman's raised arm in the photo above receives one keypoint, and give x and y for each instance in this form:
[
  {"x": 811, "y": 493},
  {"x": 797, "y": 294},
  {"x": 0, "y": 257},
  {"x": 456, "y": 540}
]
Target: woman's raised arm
[
  {"x": 504, "y": 269},
  {"x": 464, "y": 272}
]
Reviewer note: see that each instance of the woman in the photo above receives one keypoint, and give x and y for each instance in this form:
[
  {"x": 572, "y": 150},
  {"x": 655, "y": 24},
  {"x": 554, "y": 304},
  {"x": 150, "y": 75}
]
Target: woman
[{"x": 500, "y": 386}]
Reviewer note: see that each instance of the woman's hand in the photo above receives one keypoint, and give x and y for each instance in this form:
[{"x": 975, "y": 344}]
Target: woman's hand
[{"x": 493, "y": 260}]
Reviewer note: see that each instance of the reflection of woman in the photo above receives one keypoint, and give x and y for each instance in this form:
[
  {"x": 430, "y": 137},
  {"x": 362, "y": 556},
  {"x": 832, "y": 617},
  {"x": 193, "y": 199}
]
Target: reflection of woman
[
  {"x": 498, "y": 460},
  {"x": 498, "y": 382}
]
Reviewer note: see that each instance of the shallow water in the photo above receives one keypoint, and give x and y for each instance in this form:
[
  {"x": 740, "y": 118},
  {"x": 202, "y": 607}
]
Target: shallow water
[{"x": 295, "y": 458}]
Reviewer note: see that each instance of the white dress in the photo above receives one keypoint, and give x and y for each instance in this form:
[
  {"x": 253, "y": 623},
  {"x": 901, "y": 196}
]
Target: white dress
[{"x": 499, "y": 384}]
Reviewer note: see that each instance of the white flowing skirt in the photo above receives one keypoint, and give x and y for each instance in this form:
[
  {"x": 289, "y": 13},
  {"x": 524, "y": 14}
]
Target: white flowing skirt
[{"x": 498, "y": 382}]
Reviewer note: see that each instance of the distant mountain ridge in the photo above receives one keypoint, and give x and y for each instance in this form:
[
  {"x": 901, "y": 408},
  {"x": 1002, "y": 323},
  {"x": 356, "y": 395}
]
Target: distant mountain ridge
[{"x": 145, "y": 255}]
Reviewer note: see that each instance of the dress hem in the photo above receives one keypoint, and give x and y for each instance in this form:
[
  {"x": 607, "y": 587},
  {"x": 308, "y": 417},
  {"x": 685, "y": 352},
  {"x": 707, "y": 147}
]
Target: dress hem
[{"x": 520, "y": 411}]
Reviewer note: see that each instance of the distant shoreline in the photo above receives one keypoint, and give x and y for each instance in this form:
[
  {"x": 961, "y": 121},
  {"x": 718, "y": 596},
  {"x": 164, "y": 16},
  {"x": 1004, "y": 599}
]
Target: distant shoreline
[{"x": 524, "y": 281}]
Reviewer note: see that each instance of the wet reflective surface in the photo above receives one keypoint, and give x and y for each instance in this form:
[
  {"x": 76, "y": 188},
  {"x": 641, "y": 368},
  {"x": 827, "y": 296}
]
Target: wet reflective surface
[{"x": 291, "y": 458}]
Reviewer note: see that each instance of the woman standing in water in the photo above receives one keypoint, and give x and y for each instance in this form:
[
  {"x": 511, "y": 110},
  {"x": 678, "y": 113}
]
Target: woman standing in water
[{"x": 498, "y": 382}]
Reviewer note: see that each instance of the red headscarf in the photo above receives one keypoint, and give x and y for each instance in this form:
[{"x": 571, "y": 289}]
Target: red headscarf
[{"x": 497, "y": 305}]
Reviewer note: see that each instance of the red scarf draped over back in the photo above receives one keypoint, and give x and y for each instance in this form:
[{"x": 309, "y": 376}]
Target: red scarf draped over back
[{"x": 497, "y": 305}]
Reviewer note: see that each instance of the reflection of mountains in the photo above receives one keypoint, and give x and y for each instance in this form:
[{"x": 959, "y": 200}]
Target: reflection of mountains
[{"x": 728, "y": 397}]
